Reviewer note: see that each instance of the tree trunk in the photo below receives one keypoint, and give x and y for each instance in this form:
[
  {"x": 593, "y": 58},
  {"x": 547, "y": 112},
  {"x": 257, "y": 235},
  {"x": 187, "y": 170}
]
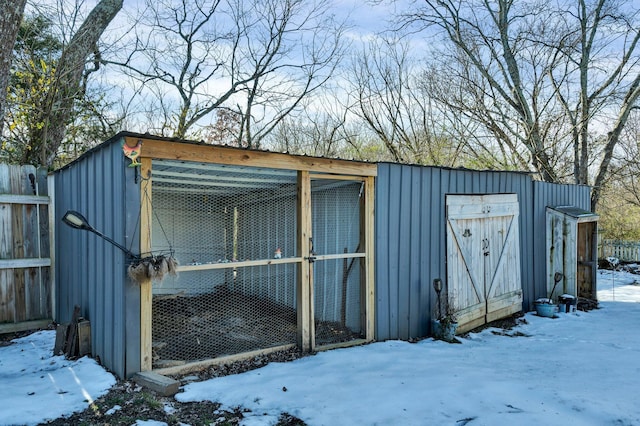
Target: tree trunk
[
  {"x": 67, "y": 86},
  {"x": 632, "y": 96},
  {"x": 12, "y": 11}
]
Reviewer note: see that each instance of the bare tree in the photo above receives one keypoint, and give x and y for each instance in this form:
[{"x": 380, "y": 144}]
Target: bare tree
[
  {"x": 315, "y": 132},
  {"x": 544, "y": 77},
  {"x": 625, "y": 164},
  {"x": 70, "y": 82},
  {"x": 392, "y": 102},
  {"x": 258, "y": 59},
  {"x": 620, "y": 195},
  {"x": 12, "y": 11},
  {"x": 493, "y": 54},
  {"x": 486, "y": 142},
  {"x": 600, "y": 48}
]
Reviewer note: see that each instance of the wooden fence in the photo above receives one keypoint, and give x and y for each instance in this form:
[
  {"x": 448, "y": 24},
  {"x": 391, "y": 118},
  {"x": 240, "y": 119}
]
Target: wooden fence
[
  {"x": 25, "y": 282},
  {"x": 625, "y": 251}
]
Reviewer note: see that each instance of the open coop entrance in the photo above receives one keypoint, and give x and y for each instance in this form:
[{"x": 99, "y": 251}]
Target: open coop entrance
[{"x": 246, "y": 281}]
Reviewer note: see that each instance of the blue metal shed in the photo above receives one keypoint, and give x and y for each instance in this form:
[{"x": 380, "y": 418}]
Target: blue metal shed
[
  {"x": 373, "y": 262},
  {"x": 410, "y": 236}
]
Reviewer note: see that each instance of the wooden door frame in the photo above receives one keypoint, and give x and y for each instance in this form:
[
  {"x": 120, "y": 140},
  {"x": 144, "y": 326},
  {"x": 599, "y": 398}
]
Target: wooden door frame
[
  {"x": 367, "y": 283},
  {"x": 153, "y": 148}
]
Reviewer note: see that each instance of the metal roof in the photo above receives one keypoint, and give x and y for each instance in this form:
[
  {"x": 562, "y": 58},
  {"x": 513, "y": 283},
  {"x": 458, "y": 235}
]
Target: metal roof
[{"x": 577, "y": 213}]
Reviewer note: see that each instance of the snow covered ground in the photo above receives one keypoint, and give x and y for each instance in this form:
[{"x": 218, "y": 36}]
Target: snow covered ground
[
  {"x": 35, "y": 385},
  {"x": 579, "y": 369}
]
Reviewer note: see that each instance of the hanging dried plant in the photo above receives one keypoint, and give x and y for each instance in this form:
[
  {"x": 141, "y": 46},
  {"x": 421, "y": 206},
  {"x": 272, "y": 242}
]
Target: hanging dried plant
[
  {"x": 137, "y": 271},
  {"x": 172, "y": 264},
  {"x": 154, "y": 268},
  {"x": 158, "y": 268}
]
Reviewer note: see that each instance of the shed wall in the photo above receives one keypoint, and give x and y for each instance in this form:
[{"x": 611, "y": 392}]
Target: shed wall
[
  {"x": 90, "y": 272},
  {"x": 410, "y": 238}
]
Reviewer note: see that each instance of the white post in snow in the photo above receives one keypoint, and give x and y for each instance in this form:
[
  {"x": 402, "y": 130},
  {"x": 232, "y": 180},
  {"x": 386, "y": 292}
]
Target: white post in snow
[{"x": 613, "y": 261}]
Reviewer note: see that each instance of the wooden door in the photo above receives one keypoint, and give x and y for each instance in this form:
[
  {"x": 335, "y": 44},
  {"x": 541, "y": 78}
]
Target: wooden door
[{"x": 483, "y": 257}]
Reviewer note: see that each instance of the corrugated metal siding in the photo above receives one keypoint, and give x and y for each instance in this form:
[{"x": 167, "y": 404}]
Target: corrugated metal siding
[
  {"x": 552, "y": 195},
  {"x": 410, "y": 238},
  {"x": 90, "y": 272}
]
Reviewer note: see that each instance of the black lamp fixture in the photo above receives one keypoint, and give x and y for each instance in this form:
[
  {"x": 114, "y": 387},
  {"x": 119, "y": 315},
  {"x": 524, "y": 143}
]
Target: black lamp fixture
[{"x": 78, "y": 221}]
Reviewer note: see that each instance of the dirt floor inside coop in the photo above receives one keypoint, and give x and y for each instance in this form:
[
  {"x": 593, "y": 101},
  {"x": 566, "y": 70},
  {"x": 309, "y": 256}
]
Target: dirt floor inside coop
[{"x": 207, "y": 326}]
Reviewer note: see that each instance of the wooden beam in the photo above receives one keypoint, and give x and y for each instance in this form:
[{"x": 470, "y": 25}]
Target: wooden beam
[
  {"x": 303, "y": 302},
  {"x": 241, "y": 264},
  {"x": 51, "y": 190},
  {"x": 168, "y": 150},
  {"x": 369, "y": 287},
  {"x": 24, "y": 326},
  {"x": 348, "y": 344},
  {"x": 339, "y": 256},
  {"x": 146, "y": 317},
  {"x": 18, "y": 244},
  {"x": 24, "y": 263},
  {"x": 24, "y": 199},
  {"x": 337, "y": 177},
  {"x": 189, "y": 367}
]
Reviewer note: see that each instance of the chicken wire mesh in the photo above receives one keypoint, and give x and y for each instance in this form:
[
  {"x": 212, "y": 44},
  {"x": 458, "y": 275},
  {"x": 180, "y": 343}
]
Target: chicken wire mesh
[
  {"x": 223, "y": 216},
  {"x": 337, "y": 285},
  {"x": 225, "y": 224}
]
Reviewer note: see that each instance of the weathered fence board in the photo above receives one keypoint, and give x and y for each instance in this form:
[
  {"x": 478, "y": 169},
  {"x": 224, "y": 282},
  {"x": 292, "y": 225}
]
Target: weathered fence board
[{"x": 25, "y": 289}]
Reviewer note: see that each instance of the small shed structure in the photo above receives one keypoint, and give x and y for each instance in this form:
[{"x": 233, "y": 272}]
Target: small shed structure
[
  {"x": 572, "y": 247},
  {"x": 277, "y": 250}
]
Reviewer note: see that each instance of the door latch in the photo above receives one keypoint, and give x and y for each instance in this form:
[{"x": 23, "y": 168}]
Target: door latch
[
  {"x": 312, "y": 255},
  {"x": 485, "y": 246}
]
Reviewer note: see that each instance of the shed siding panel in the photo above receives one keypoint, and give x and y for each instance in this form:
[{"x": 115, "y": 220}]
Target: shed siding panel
[
  {"x": 382, "y": 293},
  {"x": 405, "y": 268},
  {"x": 393, "y": 249},
  {"x": 95, "y": 187},
  {"x": 422, "y": 232},
  {"x": 416, "y": 259}
]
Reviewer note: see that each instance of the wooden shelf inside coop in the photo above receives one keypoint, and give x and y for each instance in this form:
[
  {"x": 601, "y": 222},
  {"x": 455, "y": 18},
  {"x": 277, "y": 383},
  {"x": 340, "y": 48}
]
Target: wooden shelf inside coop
[{"x": 263, "y": 262}]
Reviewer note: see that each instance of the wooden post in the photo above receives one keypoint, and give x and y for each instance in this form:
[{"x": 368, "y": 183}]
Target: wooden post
[
  {"x": 368, "y": 287},
  {"x": 303, "y": 303},
  {"x": 343, "y": 295},
  {"x": 17, "y": 181},
  {"x": 51, "y": 190},
  {"x": 145, "y": 248}
]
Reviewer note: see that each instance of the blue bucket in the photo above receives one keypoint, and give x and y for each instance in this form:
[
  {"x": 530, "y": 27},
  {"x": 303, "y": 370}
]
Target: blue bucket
[{"x": 545, "y": 309}]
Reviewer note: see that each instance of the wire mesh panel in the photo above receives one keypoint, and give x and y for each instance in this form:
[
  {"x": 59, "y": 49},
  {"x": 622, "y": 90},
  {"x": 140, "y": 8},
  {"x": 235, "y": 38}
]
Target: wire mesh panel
[
  {"x": 337, "y": 282},
  {"x": 337, "y": 301},
  {"x": 224, "y": 225}
]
